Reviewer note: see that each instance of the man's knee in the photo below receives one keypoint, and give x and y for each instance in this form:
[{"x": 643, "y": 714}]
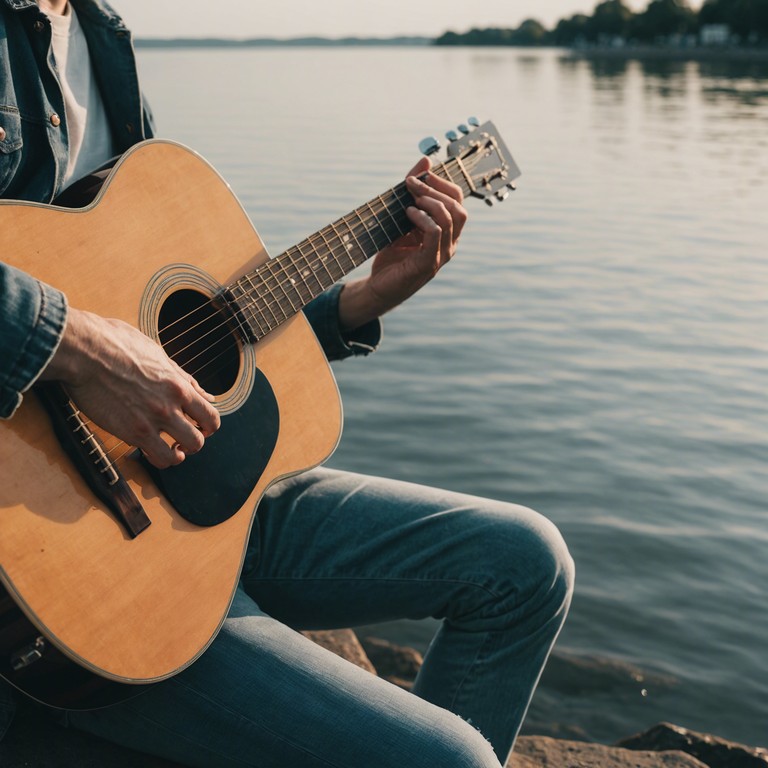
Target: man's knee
[
  {"x": 527, "y": 560},
  {"x": 458, "y": 744}
]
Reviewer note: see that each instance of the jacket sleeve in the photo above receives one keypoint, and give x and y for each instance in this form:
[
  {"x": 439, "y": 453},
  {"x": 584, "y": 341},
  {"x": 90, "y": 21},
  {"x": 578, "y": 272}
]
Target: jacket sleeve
[
  {"x": 32, "y": 320},
  {"x": 323, "y": 316}
]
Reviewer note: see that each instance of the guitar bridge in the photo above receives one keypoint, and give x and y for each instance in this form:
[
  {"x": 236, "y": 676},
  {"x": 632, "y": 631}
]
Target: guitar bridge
[{"x": 91, "y": 460}]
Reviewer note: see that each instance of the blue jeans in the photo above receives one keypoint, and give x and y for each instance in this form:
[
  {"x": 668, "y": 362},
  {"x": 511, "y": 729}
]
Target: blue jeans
[{"x": 333, "y": 549}]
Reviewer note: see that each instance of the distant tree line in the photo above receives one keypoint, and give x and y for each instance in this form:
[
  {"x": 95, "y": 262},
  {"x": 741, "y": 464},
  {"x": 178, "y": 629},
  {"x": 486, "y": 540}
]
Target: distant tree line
[{"x": 612, "y": 19}]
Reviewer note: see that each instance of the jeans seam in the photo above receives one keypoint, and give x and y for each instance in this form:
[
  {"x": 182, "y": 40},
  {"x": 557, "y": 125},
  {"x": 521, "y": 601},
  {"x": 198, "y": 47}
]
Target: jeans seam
[
  {"x": 478, "y": 655},
  {"x": 462, "y": 582}
]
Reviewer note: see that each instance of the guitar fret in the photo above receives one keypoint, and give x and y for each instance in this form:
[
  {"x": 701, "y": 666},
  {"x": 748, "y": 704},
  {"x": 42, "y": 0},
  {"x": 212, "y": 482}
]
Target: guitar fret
[
  {"x": 311, "y": 269},
  {"x": 359, "y": 245},
  {"x": 252, "y": 306},
  {"x": 282, "y": 282},
  {"x": 378, "y": 229},
  {"x": 345, "y": 241},
  {"x": 310, "y": 295},
  {"x": 367, "y": 231},
  {"x": 321, "y": 260},
  {"x": 269, "y": 295},
  {"x": 388, "y": 211},
  {"x": 307, "y": 271},
  {"x": 397, "y": 191},
  {"x": 333, "y": 255}
]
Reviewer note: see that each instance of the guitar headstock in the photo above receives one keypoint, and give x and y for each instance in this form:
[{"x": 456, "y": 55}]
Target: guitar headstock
[{"x": 485, "y": 165}]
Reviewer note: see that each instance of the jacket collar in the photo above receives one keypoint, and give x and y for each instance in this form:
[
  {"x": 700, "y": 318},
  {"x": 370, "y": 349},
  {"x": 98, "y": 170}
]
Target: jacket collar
[
  {"x": 16, "y": 5},
  {"x": 96, "y": 10}
]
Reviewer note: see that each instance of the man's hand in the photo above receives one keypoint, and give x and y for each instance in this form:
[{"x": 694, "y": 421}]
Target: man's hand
[
  {"x": 125, "y": 383},
  {"x": 404, "y": 267}
]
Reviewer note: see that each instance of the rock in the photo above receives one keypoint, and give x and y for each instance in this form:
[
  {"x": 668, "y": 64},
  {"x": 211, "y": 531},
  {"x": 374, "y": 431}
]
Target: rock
[
  {"x": 395, "y": 663},
  {"x": 714, "y": 752},
  {"x": 545, "y": 752},
  {"x": 344, "y": 643}
]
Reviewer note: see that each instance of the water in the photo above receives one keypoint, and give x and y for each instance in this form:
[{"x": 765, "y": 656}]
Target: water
[{"x": 597, "y": 350}]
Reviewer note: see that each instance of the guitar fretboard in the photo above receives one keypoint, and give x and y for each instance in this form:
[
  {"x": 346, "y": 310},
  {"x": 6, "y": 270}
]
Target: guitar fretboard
[{"x": 268, "y": 296}]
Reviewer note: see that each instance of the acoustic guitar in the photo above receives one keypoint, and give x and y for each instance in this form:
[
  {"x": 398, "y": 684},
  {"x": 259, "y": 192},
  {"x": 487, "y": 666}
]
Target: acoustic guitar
[{"x": 113, "y": 572}]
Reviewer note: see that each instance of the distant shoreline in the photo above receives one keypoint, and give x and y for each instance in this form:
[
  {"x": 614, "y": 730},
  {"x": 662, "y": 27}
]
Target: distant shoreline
[
  {"x": 592, "y": 52},
  {"x": 269, "y": 42}
]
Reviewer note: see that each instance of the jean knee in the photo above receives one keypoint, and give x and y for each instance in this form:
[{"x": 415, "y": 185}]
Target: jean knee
[
  {"x": 530, "y": 559},
  {"x": 461, "y": 746}
]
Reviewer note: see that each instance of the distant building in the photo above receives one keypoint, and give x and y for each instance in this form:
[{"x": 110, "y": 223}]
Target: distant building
[{"x": 715, "y": 34}]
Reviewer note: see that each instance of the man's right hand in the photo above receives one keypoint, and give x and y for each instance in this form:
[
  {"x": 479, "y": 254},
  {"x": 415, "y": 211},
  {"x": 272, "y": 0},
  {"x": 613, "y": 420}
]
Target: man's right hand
[{"x": 124, "y": 382}]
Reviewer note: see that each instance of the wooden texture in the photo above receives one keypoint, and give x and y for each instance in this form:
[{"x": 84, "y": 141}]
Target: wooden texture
[{"x": 138, "y": 610}]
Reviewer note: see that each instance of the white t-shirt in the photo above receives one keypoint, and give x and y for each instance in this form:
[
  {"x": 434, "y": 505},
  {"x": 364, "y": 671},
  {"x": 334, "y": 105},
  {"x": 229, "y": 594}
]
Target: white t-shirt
[{"x": 90, "y": 138}]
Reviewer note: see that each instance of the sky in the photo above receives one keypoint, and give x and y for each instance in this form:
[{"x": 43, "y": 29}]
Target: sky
[{"x": 339, "y": 18}]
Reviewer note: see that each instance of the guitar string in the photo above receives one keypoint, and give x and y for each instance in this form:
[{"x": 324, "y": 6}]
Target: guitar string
[
  {"x": 396, "y": 191},
  {"x": 272, "y": 272},
  {"x": 282, "y": 271},
  {"x": 364, "y": 221},
  {"x": 332, "y": 251},
  {"x": 333, "y": 256},
  {"x": 331, "y": 248}
]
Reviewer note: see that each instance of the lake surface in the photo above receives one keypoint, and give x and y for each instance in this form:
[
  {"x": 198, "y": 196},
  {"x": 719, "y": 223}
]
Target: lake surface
[{"x": 598, "y": 350}]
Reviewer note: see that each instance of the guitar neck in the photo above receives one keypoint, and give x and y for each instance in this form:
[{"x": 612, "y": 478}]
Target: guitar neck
[{"x": 269, "y": 295}]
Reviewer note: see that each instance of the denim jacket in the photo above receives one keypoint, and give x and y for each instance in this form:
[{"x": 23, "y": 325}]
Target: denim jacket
[{"x": 33, "y": 159}]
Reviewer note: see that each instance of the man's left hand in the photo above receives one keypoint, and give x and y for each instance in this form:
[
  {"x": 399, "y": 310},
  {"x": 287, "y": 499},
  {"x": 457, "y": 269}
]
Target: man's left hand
[{"x": 409, "y": 263}]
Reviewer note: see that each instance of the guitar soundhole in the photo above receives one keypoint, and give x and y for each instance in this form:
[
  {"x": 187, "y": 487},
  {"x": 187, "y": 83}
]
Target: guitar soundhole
[{"x": 196, "y": 333}]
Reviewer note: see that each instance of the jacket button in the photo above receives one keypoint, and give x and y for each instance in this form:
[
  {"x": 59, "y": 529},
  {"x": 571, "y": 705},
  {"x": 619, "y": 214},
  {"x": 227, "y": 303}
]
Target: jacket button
[
  {"x": 55, "y": 120},
  {"x": 2, "y": 133},
  {"x": 38, "y": 26}
]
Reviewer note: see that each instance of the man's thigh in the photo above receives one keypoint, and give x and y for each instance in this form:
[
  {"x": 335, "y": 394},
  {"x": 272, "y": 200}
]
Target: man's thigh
[
  {"x": 332, "y": 549},
  {"x": 264, "y": 695}
]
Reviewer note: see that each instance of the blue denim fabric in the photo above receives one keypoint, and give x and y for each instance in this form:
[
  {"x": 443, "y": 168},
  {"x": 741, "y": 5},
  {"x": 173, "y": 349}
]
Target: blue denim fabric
[
  {"x": 33, "y": 157},
  {"x": 33, "y": 153},
  {"x": 32, "y": 317},
  {"x": 334, "y": 549}
]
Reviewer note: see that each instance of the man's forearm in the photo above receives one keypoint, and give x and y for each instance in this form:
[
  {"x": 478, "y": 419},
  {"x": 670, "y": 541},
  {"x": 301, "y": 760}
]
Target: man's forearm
[{"x": 32, "y": 320}]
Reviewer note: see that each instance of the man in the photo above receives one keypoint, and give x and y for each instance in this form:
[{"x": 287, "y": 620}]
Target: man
[{"x": 498, "y": 575}]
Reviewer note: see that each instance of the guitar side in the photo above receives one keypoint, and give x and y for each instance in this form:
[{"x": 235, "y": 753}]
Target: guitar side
[{"x": 140, "y": 609}]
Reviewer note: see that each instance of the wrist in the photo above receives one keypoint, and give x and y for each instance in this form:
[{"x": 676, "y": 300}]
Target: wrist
[
  {"x": 359, "y": 304},
  {"x": 71, "y": 355}
]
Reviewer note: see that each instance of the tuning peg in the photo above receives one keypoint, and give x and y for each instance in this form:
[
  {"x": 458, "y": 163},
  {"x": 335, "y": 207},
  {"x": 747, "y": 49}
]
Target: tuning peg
[
  {"x": 488, "y": 201},
  {"x": 464, "y": 129},
  {"x": 473, "y": 121},
  {"x": 429, "y": 145},
  {"x": 452, "y": 136},
  {"x": 502, "y": 194}
]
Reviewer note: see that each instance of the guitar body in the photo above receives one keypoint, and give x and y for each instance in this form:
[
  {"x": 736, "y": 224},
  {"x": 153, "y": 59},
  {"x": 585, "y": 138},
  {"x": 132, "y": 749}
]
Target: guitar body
[{"x": 164, "y": 231}]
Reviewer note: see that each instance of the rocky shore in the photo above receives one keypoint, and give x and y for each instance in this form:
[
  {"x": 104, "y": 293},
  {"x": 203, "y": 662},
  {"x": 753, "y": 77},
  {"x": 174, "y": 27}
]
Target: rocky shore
[{"x": 35, "y": 742}]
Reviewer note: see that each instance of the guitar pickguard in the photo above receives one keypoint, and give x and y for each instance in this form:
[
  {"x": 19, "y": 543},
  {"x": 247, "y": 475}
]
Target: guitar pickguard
[{"x": 210, "y": 486}]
